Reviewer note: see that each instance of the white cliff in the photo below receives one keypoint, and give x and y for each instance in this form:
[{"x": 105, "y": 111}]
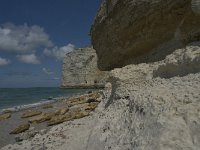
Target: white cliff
[{"x": 80, "y": 70}]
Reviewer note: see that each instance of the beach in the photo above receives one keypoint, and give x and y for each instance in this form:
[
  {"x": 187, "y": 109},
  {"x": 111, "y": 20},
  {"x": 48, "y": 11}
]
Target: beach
[{"x": 77, "y": 107}]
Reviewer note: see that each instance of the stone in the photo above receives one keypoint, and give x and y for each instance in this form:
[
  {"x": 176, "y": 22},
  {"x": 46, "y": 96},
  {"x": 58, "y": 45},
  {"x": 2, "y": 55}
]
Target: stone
[
  {"x": 20, "y": 128},
  {"x": 87, "y": 98},
  {"x": 41, "y": 118},
  {"x": 5, "y": 116},
  {"x": 61, "y": 111},
  {"x": 18, "y": 139},
  {"x": 81, "y": 114},
  {"x": 31, "y": 113},
  {"x": 134, "y": 31},
  {"x": 91, "y": 106},
  {"x": 80, "y": 70},
  {"x": 60, "y": 119}
]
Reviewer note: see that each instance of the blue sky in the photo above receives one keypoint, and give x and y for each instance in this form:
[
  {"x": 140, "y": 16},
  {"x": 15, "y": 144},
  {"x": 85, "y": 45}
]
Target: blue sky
[{"x": 35, "y": 35}]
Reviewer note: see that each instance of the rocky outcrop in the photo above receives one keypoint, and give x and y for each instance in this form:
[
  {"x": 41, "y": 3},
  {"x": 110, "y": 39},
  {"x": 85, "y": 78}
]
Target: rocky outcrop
[
  {"x": 31, "y": 113},
  {"x": 80, "y": 70},
  {"x": 153, "y": 106},
  {"x": 140, "y": 31},
  {"x": 5, "y": 116},
  {"x": 20, "y": 128}
]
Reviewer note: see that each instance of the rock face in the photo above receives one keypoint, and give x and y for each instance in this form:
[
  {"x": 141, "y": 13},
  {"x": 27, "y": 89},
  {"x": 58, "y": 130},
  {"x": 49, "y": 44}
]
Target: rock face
[
  {"x": 153, "y": 106},
  {"x": 80, "y": 70},
  {"x": 138, "y": 31}
]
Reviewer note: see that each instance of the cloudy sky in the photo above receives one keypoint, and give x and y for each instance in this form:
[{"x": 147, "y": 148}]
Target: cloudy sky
[{"x": 36, "y": 34}]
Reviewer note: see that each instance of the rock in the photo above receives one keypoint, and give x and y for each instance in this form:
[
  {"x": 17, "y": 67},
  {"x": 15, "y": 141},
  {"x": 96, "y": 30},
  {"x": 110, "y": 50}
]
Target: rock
[
  {"x": 91, "y": 106},
  {"x": 41, "y": 118},
  {"x": 60, "y": 119},
  {"x": 152, "y": 106},
  {"x": 81, "y": 114},
  {"x": 87, "y": 98},
  {"x": 31, "y": 113},
  {"x": 61, "y": 111},
  {"x": 20, "y": 129},
  {"x": 5, "y": 116},
  {"x": 80, "y": 70},
  {"x": 18, "y": 139},
  {"x": 47, "y": 106},
  {"x": 135, "y": 31}
]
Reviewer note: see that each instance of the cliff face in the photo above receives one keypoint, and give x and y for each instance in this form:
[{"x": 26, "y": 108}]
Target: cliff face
[
  {"x": 80, "y": 70},
  {"x": 136, "y": 31},
  {"x": 153, "y": 103},
  {"x": 152, "y": 106}
]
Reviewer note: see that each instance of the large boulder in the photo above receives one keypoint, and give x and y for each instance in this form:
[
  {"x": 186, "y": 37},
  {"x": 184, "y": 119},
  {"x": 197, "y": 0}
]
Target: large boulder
[{"x": 137, "y": 31}]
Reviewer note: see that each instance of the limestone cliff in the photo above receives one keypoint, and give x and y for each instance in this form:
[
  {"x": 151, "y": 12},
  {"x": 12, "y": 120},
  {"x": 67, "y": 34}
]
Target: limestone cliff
[
  {"x": 80, "y": 70},
  {"x": 152, "y": 106},
  {"x": 136, "y": 31}
]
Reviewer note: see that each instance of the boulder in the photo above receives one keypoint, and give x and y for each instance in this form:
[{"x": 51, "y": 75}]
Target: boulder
[
  {"x": 140, "y": 31},
  {"x": 41, "y": 118},
  {"x": 31, "y": 113},
  {"x": 20, "y": 128},
  {"x": 5, "y": 116}
]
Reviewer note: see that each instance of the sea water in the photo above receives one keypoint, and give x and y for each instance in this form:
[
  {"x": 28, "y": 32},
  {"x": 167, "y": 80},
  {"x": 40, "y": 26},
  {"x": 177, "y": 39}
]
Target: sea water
[{"x": 26, "y": 97}]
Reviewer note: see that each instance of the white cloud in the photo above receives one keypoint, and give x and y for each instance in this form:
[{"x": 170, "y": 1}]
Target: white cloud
[
  {"x": 4, "y": 61},
  {"x": 59, "y": 53},
  {"x": 28, "y": 59},
  {"x": 23, "y": 38},
  {"x": 46, "y": 71}
]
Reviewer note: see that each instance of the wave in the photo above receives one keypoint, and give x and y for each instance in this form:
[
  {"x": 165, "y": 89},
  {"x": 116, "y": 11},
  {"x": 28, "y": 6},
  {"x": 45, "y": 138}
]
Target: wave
[{"x": 26, "y": 106}]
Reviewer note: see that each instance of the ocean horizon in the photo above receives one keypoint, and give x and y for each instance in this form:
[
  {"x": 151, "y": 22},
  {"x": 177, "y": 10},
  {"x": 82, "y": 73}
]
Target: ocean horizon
[{"x": 17, "y": 97}]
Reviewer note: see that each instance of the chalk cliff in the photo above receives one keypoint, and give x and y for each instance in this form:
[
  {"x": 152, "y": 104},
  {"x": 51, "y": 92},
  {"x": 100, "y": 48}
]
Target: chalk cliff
[
  {"x": 152, "y": 106},
  {"x": 80, "y": 70},
  {"x": 137, "y": 31}
]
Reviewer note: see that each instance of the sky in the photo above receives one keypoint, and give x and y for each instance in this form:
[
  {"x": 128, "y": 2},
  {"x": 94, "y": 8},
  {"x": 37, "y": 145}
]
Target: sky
[{"x": 36, "y": 34}]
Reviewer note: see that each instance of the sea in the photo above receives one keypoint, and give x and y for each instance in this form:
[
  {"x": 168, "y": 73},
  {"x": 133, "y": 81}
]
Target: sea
[{"x": 19, "y": 98}]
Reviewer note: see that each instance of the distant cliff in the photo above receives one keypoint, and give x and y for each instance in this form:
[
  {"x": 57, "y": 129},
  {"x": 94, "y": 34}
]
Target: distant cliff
[{"x": 80, "y": 70}]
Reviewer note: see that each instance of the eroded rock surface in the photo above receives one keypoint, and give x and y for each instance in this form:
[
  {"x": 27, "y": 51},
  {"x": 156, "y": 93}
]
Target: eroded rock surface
[
  {"x": 152, "y": 108},
  {"x": 20, "y": 128},
  {"x": 80, "y": 70},
  {"x": 31, "y": 113},
  {"x": 5, "y": 116},
  {"x": 141, "y": 31}
]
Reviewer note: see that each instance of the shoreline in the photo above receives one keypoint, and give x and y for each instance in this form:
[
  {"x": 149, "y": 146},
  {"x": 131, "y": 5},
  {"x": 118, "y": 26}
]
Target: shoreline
[
  {"x": 49, "y": 107},
  {"x": 43, "y": 101}
]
